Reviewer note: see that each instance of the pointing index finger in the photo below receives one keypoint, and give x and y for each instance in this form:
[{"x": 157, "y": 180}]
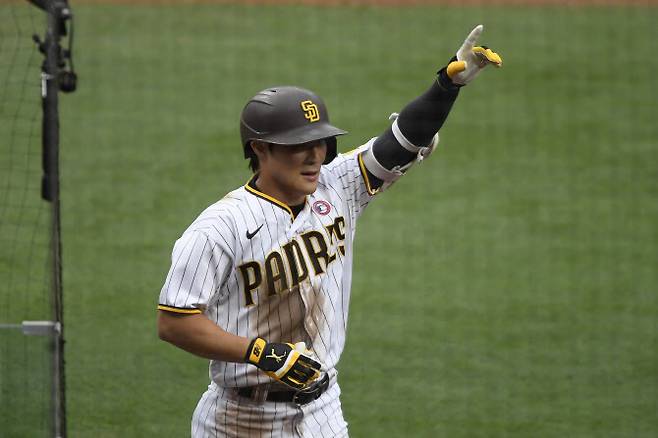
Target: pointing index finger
[{"x": 472, "y": 38}]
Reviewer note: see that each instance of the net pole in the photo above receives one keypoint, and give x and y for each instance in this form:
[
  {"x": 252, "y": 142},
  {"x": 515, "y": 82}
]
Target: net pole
[{"x": 57, "y": 12}]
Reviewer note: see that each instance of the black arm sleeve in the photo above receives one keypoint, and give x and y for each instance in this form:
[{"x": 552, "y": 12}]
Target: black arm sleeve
[{"x": 418, "y": 121}]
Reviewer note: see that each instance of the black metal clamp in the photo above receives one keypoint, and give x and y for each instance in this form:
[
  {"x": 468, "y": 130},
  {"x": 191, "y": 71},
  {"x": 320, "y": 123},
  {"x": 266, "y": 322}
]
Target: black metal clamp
[{"x": 67, "y": 79}]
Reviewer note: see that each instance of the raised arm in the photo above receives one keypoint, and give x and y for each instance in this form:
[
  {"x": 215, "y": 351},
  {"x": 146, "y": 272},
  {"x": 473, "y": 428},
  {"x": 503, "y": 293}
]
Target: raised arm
[{"x": 414, "y": 132}]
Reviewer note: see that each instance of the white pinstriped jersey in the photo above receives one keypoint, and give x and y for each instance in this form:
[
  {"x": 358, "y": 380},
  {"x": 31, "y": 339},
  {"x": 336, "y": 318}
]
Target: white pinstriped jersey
[{"x": 254, "y": 270}]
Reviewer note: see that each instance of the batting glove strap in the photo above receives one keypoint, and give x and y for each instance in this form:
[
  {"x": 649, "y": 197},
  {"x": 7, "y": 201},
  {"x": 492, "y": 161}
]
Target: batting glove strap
[{"x": 286, "y": 363}]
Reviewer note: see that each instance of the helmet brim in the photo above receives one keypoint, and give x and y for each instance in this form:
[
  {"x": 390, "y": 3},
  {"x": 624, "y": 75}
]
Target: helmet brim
[{"x": 304, "y": 134}]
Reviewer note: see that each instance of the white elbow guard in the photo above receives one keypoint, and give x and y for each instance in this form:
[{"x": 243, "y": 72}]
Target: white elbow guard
[
  {"x": 389, "y": 176},
  {"x": 421, "y": 152}
]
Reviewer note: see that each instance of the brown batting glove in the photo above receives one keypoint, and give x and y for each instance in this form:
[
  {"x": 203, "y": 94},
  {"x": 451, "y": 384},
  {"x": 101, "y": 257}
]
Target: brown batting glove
[{"x": 287, "y": 363}]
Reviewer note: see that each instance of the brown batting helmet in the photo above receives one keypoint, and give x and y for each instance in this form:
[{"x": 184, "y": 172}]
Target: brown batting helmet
[{"x": 287, "y": 115}]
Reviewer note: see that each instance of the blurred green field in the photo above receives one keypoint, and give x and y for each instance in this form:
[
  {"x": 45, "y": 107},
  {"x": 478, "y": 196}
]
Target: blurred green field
[{"x": 506, "y": 288}]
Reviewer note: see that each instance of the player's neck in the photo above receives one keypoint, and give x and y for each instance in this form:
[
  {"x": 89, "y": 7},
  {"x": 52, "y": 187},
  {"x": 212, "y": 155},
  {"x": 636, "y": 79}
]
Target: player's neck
[{"x": 270, "y": 188}]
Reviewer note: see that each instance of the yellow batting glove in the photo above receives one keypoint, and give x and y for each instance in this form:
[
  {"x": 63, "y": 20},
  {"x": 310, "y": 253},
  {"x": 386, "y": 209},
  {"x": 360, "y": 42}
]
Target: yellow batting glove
[
  {"x": 471, "y": 59},
  {"x": 287, "y": 363}
]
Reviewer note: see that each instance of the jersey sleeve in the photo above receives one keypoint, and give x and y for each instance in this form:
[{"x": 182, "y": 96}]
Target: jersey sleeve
[
  {"x": 351, "y": 179},
  {"x": 198, "y": 268}
]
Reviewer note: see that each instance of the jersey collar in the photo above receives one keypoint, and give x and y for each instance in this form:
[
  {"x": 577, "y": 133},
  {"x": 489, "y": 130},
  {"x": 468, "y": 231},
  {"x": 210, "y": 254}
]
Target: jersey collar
[{"x": 251, "y": 187}]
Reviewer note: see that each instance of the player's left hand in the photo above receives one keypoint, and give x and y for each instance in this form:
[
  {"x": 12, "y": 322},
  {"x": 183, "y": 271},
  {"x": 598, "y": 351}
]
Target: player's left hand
[
  {"x": 471, "y": 59},
  {"x": 288, "y": 363}
]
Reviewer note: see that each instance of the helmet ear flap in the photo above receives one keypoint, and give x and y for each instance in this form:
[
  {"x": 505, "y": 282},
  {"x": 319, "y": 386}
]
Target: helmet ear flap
[{"x": 332, "y": 150}]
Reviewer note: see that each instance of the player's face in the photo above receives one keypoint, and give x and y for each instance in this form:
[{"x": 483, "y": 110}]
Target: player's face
[{"x": 289, "y": 173}]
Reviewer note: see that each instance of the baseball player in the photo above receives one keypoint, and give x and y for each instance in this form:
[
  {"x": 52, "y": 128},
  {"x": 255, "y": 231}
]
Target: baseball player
[{"x": 260, "y": 282}]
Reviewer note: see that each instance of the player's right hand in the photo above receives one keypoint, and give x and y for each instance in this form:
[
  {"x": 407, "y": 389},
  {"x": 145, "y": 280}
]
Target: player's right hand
[
  {"x": 287, "y": 363},
  {"x": 471, "y": 59}
]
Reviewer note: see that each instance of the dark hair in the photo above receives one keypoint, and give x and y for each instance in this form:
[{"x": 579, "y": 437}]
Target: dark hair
[{"x": 253, "y": 159}]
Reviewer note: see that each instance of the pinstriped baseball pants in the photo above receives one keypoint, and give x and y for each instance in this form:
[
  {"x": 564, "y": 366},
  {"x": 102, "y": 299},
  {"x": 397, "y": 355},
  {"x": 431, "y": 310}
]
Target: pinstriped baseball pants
[{"x": 221, "y": 413}]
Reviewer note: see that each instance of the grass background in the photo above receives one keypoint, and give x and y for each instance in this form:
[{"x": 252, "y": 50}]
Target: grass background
[{"x": 507, "y": 287}]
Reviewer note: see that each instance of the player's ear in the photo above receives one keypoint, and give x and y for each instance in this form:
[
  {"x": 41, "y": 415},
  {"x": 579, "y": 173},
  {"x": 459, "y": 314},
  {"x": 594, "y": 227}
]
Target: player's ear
[{"x": 260, "y": 148}]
